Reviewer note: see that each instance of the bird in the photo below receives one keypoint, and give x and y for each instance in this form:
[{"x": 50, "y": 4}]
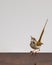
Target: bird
[{"x": 36, "y": 44}]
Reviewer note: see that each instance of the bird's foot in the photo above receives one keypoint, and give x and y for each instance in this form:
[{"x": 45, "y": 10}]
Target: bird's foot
[{"x": 32, "y": 52}]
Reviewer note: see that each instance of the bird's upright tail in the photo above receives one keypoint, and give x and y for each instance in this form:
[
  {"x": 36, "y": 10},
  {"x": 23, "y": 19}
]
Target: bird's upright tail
[{"x": 42, "y": 31}]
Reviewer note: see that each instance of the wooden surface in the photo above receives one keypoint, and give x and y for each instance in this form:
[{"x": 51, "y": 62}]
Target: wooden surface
[{"x": 25, "y": 59}]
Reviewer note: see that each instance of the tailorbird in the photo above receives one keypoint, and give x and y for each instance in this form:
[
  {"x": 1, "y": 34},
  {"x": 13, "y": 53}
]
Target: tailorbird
[{"x": 34, "y": 44}]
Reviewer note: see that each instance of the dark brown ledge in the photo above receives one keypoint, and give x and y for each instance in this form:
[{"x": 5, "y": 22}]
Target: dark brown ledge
[{"x": 25, "y": 59}]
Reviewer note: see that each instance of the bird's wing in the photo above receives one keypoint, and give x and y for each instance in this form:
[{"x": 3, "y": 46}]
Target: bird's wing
[{"x": 43, "y": 31}]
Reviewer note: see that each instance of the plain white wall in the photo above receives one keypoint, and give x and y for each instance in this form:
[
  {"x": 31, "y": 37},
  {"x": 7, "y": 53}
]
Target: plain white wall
[{"x": 19, "y": 19}]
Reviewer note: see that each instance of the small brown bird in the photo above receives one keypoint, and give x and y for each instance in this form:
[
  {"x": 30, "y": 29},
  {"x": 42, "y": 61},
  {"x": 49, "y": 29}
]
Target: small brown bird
[{"x": 34, "y": 44}]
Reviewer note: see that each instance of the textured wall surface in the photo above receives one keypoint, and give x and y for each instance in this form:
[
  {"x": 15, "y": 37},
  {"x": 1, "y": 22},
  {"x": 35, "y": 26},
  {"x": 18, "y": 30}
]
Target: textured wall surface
[{"x": 25, "y": 59}]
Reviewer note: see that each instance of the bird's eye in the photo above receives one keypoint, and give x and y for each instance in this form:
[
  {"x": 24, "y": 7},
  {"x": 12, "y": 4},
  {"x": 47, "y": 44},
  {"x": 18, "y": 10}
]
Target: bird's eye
[{"x": 33, "y": 42}]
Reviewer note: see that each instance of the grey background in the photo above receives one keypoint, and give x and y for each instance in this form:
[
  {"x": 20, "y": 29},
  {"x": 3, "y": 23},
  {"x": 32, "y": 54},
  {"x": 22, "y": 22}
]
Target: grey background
[{"x": 20, "y": 19}]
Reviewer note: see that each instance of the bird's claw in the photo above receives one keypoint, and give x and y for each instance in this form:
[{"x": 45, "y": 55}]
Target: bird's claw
[{"x": 32, "y": 52}]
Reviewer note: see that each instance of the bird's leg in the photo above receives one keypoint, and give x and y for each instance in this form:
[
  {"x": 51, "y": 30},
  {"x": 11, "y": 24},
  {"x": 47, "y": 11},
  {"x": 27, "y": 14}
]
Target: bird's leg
[
  {"x": 35, "y": 51},
  {"x": 32, "y": 52},
  {"x": 39, "y": 49}
]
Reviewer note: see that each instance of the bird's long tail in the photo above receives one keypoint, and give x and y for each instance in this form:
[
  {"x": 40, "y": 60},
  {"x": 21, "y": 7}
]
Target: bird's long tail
[{"x": 42, "y": 31}]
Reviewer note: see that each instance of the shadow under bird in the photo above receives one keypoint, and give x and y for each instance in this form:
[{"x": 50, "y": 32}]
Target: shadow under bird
[{"x": 34, "y": 44}]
